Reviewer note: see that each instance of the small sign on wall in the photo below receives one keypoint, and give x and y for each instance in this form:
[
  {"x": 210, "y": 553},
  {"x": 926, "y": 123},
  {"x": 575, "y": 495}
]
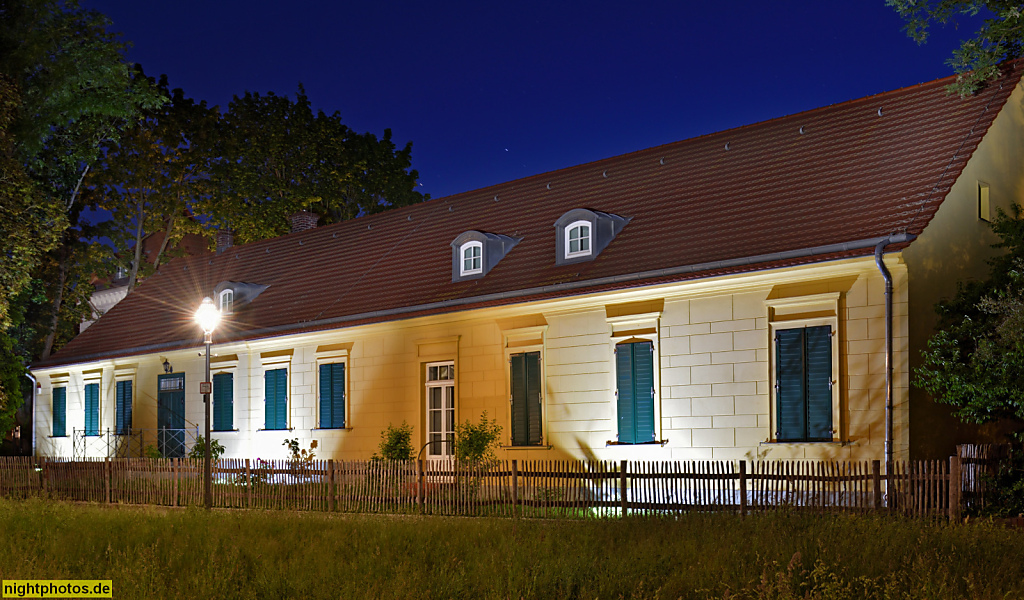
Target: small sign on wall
[{"x": 205, "y": 387}]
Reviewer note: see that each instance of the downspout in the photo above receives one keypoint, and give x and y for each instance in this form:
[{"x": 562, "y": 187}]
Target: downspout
[
  {"x": 35, "y": 387},
  {"x": 879, "y": 251}
]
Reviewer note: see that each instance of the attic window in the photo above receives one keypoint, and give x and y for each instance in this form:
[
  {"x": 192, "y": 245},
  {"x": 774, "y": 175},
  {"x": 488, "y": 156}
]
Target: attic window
[
  {"x": 475, "y": 253},
  {"x": 577, "y": 239},
  {"x": 583, "y": 233},
  {"x": 472, "y": 258},
  {"x": 227, "y": 299}
]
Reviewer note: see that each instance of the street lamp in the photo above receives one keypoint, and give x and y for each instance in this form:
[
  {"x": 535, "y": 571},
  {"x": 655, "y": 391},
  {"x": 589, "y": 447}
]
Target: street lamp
[{"x": 207, "y": 317}]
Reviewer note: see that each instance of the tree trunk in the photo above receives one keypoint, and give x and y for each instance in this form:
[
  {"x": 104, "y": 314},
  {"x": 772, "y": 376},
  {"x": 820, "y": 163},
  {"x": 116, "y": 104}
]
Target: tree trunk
[
  {"x": 163, "y": 244},
  {"x": 58, "y": 299},
  {"x": 133, "y": 276}
]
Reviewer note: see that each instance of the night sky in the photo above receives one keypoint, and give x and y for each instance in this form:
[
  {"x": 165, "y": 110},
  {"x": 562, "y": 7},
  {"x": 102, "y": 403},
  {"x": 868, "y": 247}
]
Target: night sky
[{"x": 491, "y": 92}]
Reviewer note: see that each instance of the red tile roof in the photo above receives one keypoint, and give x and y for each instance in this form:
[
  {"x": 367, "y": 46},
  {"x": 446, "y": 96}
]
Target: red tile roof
[{"x": 746, "y": 199}]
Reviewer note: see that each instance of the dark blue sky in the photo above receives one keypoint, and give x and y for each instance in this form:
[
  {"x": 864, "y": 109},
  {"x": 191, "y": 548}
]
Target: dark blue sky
[{"x": 490, "y": 92}]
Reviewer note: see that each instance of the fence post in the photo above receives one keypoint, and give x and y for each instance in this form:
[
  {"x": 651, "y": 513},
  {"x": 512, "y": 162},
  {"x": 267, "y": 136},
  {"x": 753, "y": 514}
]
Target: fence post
[
  {"x": 515, "y": 488},
  {"x": 106, "y": 478},
  {"x": 248, "y": 485},
  {"x": 743, "y": 488},
  {"x": 954, "y": 488},
  {"x": 622, "y": 487},
  {"x": 330, "y": 484},
  {"x": 876, "y": 483},
  {"x": 43, "y": 474},
  {"x": 174, "y": 468},
  {"x": 419, "y": 484}
]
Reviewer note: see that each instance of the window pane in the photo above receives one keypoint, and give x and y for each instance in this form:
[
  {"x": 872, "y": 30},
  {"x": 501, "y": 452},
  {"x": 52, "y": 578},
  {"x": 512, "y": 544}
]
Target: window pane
[
  {"x": 449, "y": 397},
  {"x": 435, "y": 420},
  {"x": 451, "y": 420},
  {"x": 584, "y": 239},
  {"x": 435, "y": 398}
]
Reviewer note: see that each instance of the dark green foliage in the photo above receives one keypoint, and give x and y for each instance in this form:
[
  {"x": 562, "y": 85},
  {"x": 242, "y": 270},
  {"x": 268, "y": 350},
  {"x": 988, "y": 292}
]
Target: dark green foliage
[
  {"x": 476, "y": 443},
  {"x": 976, "y": 61},
  {"x": 277, "y": 156},
  {"x": 975, "y": 361},
  {"x": 199, "y": 449},
  {"x": 396, "y": 443}
]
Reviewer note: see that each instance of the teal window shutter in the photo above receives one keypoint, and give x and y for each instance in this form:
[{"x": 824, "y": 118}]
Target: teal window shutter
[
  {"x": 803, "y": 384},
  {"x": 223, "y": 402},
  {"x": 818, "y": 356},
  {"x": 332, "y": 396},
  {"x": 527, "y": 417},
  {"x": 123, "y": 408},
  {"x": 60, "y": 414},
  {"x": 276, "y": 389},
  {"x": 634, "y": 377},
  {"x": 92, "y": 409}
]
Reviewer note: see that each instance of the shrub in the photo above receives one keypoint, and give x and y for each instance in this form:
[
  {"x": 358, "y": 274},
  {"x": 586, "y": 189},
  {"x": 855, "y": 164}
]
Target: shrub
[
  {"x": 300, "y": 458},
  {"x": 395, "y": 443},
  {"x": 477, "y": 443},
  {"x": 199, "y": 449}
]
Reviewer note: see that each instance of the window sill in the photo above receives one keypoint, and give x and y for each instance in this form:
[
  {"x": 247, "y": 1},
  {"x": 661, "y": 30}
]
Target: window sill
[
  {"x": 57, "y": 437},
  {"x": 777, "y": 443},
  {"x": 651, "y": 443},
  {"x": 535, "y": 447},
  {"x": 286, "y": 429},
  {"x": 213, "y": 431},
  {"x": 332, "y": 429}
]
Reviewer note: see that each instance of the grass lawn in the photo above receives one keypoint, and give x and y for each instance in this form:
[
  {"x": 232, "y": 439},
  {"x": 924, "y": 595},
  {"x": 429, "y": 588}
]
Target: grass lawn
[{"x": 187, "y": 553}]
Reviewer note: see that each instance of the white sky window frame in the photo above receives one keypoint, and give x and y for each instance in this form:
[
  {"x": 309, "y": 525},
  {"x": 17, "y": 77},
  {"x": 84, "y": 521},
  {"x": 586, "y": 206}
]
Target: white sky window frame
[
  {"x": 797, "y": 313},
  {"x": 472, "y": 261},
  {"x": 578, "y": 239},
  {"x": 440, "y": 409},
  {"x": 226, "y": 301}
]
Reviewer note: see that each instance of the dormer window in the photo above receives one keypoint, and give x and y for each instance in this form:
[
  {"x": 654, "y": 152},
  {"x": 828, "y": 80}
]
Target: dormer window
[
  {"x": 472, "y": 258},
  {"x": 475, "y": 253},
  {"x": 577, "y": 239},
  {"x": 227, "y": 299},
  {"x": 583, "y": 233}
]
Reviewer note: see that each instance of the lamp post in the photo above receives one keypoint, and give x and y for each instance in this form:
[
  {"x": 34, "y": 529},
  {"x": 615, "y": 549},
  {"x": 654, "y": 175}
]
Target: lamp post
[{"x": 207, "y": 317}]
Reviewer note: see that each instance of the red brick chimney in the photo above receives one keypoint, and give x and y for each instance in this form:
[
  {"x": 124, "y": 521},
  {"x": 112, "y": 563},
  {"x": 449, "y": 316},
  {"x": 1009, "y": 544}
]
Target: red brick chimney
[
  {"x": 303, "y": 220},
  {"x": 225, "y": 239}
]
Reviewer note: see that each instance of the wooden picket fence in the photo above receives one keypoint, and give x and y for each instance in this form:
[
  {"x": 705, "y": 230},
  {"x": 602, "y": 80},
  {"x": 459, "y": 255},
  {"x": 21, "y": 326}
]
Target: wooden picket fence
[{"x": 539, "y": 489}]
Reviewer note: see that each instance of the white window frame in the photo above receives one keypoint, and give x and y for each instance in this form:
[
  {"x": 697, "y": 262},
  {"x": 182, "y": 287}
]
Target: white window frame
[
  {"x": 589, "y": 237},
  {"x": 785, "y": 313},
  {"x": 229, "y": 295},
  {"x": 463, "y": 271},
  {"x": 639, "y": 327},
  {"x": 445, "y": 450}
]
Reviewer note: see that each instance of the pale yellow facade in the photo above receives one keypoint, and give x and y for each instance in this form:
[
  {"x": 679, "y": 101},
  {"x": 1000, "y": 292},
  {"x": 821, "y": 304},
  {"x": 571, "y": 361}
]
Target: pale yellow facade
[{"x": 713, "y": 377}]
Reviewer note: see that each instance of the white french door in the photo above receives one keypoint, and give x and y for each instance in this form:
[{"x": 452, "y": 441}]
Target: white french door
[{"x": 440, "y": 412}]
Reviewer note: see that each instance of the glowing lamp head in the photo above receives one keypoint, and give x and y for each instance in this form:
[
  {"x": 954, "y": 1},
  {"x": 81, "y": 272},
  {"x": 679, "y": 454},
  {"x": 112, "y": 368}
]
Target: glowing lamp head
[{"x": 207, "y": 316}]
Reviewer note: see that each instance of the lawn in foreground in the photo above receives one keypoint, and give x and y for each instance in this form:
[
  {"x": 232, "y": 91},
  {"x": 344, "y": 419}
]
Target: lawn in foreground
[{"x": 189, "y": 553}]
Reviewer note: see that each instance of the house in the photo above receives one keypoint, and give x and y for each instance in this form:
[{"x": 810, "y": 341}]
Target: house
[{"x": 722, "y": 297}]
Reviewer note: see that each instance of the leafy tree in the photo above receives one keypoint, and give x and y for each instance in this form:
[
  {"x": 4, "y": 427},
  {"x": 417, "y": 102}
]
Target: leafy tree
[
  {"x": 976, "y": 61},
  {"x": 152, "y": 178},
  {"x": 975, "y": 361},
  {"x": 276, "y": 156},
  {"x": 29, "y": 220},
  {"x": 76, "y": 93}
]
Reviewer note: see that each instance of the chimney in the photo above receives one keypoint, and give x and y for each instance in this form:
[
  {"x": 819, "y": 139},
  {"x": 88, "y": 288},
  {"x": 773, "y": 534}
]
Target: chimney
[
  {"x": 303, "y": 220},
  {"x": 225, "y": 239}
]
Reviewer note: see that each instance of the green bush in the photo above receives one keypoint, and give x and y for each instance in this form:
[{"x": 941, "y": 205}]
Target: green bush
[
  {"x": 395, "y": 443},
  {"x": 477, "y": 443},
  {"x": 199, "y": 449}
]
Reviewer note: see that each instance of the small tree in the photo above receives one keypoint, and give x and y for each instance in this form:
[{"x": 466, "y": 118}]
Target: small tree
[
  {"x": 974, "y": 361},
  {"x": 395, "y": 443},
  {"x": 475, "y": 444}
]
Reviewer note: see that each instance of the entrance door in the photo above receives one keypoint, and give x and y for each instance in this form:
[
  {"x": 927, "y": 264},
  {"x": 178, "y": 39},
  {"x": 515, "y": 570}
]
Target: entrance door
[
  {"x": 170, "y": 415},
  {"x": 440, "y": 410}
]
